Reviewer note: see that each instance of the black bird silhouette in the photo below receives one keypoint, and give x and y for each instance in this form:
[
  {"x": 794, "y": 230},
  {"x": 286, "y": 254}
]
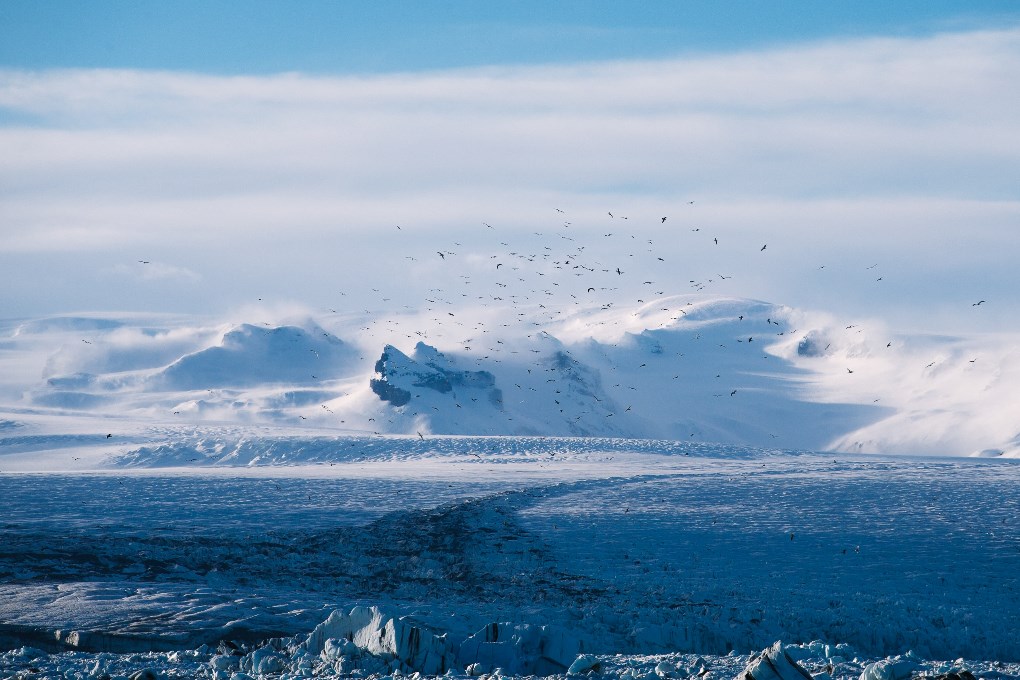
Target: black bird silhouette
[
  {"x": 441, "y": 254},
  {"x": 663, "y": 220},
  {"x": 977, "y": 303},
  {"x": 591, "y": 290},
  {"x": 764, "y": 247}
]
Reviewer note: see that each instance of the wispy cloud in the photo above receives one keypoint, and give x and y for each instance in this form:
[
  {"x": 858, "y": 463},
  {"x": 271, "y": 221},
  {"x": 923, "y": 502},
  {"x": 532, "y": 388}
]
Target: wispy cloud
[{"x": 147, "y": 270}]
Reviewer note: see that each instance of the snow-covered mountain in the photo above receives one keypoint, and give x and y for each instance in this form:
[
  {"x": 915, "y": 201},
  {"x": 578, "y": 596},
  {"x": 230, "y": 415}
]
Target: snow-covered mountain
[{"x": 693, "y": 368}]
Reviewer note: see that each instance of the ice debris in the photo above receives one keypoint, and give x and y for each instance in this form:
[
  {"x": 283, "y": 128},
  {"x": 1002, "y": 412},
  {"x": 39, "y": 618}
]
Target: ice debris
[
  {"x": 584, "y": 664},
  {"x": 522, "y": 649},
  {"x": 896, "y": 668},
  {"x": 367, "y": 638},
  {"x": 775, "y": 663}
]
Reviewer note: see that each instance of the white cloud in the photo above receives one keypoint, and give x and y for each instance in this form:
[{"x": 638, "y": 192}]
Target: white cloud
[{"x": 903, "y": 148}]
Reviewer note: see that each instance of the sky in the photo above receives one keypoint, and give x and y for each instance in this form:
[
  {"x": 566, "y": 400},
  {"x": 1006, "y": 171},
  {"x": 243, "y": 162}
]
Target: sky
[{"x": 197, "y": 157}]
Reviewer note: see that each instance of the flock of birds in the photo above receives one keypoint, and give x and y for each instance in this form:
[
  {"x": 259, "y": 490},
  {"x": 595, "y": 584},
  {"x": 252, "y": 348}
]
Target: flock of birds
[
  {"x": 498, "y": 293},
  {"x": 503, "y": 290}
]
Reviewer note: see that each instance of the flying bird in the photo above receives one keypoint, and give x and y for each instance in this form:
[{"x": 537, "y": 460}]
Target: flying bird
[
  {"x": 663, "y": 221},
  {"x": 764, "y": 247},
  {"x": 977, "y": 303},
  {"x": 441, "y": 254}
]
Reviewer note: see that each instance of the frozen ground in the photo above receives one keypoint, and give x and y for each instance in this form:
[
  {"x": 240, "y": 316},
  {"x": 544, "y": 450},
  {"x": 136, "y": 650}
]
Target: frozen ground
[{"x": 613, "y": 546}]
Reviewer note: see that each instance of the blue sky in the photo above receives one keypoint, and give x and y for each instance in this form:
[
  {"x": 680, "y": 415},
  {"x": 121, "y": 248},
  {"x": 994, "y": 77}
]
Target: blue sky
[
  {"x": 267, "y": 151},
  {"x": 385, "y": 36}
]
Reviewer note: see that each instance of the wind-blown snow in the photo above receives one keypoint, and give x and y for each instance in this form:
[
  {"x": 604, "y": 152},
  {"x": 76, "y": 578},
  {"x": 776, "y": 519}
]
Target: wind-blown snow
[{"x": 250, "y": 356}]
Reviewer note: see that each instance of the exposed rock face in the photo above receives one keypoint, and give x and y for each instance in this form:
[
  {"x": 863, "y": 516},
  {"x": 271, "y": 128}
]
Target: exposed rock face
[
  {"x": 812, "y": 345},
  {"x": 399, "y": 375},
  {"x": 383, "y": 386}
]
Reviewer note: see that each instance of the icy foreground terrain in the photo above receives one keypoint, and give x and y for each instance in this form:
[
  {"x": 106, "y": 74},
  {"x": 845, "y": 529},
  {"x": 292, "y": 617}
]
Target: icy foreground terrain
[{"x": 511, "y": 553}]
